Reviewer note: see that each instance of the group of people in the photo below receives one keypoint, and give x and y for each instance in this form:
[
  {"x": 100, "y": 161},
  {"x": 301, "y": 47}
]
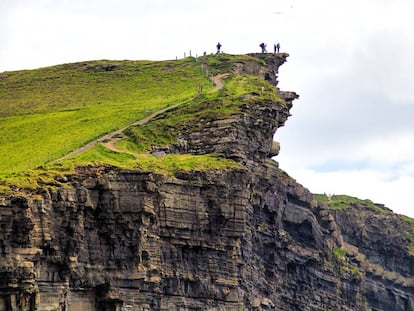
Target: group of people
[
  {"x": 262, "y": 46},
  {"x": 276, "y": 47}
]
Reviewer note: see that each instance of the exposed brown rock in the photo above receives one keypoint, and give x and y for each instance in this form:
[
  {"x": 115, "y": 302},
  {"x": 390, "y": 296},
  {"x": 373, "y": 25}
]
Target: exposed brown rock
[{"x": 237, "y": 239}]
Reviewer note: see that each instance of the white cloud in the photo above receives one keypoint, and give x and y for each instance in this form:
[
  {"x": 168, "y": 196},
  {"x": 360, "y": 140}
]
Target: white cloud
[{"x": 389, "y": 150}]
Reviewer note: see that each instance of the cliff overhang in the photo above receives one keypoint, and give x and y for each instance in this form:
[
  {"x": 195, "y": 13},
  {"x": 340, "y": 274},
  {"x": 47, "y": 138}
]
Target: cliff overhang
[{"x": 247, "y": 237}]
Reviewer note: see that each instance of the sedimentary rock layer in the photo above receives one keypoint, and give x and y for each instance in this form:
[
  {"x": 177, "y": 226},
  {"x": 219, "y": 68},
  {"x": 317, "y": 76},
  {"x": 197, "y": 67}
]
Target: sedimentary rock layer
[{"x": 250, "y": 238}]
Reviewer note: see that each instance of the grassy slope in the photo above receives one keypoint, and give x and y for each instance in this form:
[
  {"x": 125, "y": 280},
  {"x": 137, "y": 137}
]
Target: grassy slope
[
  {"x": 207, "y": 106},
  {"x": 138, "y": 140},
  {"x": 46, "y": 113},
  {"x": 341, "y": 202}
]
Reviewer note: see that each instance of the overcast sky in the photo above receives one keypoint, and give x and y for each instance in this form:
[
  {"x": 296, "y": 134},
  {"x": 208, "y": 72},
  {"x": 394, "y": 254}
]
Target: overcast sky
[{"x": 351, "y": 132}]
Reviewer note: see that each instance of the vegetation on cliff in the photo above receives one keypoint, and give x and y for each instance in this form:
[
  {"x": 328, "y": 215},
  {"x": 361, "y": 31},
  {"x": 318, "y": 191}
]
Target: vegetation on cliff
[
  {"x": 368, "y": 213},
  {"x": 49, "y": 112},
  {"x": 340, "y": 202}
]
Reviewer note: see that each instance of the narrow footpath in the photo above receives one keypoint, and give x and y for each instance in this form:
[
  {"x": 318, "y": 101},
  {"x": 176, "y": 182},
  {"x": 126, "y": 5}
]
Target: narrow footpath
[{"x": 108, "y": 140}]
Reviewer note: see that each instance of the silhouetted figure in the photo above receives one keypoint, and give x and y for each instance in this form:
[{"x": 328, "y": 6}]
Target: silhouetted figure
[
  {"x": 263, "y": 47},
  {"x": 218, "y": 47},
  {"x": 277, "y": 48}
]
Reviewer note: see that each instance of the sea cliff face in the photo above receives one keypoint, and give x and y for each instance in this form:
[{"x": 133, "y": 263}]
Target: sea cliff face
[{"x": 248, "y": 238}]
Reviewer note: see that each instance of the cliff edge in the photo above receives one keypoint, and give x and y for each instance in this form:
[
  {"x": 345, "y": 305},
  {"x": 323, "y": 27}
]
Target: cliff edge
[{"x": 247, "y": 237}]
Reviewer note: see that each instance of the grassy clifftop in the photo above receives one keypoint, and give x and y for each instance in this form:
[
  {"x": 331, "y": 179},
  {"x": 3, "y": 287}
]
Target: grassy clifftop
[{"x": 48, "y": 112}]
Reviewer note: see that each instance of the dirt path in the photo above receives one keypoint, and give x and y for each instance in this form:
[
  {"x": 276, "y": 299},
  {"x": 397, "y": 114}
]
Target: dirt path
[
  {"x": 217, "y": 81},
  {"x": 108, "y": 140}
]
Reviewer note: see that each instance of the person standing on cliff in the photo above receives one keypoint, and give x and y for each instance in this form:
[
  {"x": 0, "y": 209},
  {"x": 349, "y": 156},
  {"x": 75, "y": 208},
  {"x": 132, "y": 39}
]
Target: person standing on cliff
[
  {"x": 218, "y": 48},
  {"x": 263, "y": 47},
  {"x": 277, "y": 48}
]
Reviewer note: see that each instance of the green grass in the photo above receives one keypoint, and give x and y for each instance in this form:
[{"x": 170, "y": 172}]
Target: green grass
[
  {"x": 342, "y": 202},
  {"x": 340, "y": 261},
  {"x": 99, "y": 155},
  {"x": 220, "y": 63},
  {"x": 410, "y": 234},
  {"x": 32, "y": 180},
  {"x": 339, "y": 254},
  {"x": 167, "y": 164},
  {"x": 227, "y": 102},
  {"x": 51, "y": 175},
  {"x": 241, "y": 85},
  {"x": 408, "y": 220},
  {"x": 46, "y": 113},
  {"x": 170, "y": 165}
]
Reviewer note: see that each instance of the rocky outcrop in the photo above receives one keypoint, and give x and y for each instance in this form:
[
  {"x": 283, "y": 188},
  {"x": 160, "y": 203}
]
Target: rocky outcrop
[
  {"x": 250, "y": 238},
  {"x": 383, "y": 240},
  {"x": 245, "y": 138},
  {"x": 383, "y": 237}
]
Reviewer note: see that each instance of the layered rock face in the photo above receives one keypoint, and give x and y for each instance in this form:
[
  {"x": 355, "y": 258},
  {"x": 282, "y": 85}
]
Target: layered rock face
[
  {"x": 382, "y": 240},
  {"x": 250, "y": 238}
]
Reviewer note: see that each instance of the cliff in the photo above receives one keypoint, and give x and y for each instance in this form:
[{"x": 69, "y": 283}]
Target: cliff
[{"x": 242, "y": 238}]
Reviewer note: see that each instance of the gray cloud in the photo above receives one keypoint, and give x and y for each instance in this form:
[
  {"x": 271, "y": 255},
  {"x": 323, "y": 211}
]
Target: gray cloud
[
  {"x": 371, "y": 97},
  {"x": 352, "y": 127}
]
